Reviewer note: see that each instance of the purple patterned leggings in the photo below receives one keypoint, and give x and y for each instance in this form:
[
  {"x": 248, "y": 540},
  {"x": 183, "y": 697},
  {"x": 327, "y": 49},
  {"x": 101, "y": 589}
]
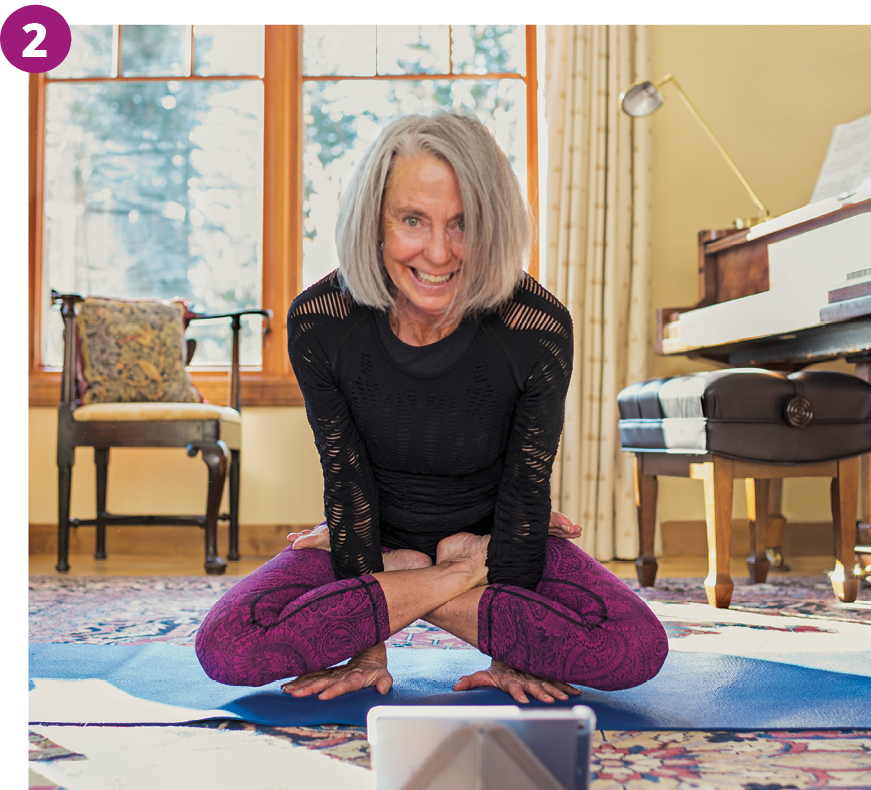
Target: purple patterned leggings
[{"x": 581, "y": 625}]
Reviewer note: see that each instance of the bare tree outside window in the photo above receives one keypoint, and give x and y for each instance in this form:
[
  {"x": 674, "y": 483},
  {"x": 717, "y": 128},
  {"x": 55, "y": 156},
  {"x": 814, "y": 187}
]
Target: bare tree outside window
[{"x": 153, "y": 189}]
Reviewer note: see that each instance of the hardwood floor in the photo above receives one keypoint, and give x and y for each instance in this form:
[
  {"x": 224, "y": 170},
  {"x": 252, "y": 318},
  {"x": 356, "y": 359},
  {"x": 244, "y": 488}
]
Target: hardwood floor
[{"x": 135, "y": 565}]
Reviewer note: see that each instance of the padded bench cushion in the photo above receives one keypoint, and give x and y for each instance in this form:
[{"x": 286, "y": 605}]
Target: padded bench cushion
[{"x": 749, "y": 414}]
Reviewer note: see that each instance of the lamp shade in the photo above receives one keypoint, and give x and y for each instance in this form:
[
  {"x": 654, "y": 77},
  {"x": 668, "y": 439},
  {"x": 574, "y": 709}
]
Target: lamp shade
[{"x": 641, "y": 99}]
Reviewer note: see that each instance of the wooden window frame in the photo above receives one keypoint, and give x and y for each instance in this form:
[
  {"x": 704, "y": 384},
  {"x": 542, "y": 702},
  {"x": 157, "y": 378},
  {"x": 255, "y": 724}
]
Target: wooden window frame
[{"x": 273, "y": 384}]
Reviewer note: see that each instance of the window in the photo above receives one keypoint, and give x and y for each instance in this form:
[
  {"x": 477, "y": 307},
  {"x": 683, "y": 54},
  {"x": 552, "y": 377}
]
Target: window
[{"x": 147, "y": 164}]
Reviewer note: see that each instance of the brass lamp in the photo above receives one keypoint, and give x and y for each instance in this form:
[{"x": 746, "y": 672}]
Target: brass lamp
[{"x": 644, "y": 98}]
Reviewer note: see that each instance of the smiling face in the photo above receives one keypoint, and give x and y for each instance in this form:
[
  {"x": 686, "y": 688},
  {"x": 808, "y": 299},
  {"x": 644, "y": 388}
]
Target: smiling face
[{"x": 422, "y": 231}]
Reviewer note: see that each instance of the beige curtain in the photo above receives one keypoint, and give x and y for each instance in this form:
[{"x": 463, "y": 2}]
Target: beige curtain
[{"x": 598, "y": 263}]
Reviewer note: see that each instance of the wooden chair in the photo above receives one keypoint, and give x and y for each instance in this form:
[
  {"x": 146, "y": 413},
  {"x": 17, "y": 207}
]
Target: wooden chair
[
  {"x": 758, "y": 425},
  {"x": 112, "y": 397}
]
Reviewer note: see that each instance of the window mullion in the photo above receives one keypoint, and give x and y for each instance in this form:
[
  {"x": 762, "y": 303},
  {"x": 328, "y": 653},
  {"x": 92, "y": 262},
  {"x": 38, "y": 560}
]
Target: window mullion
[
  {"x": 532, "y": 190},
  {"x": 282, "y": 188}
]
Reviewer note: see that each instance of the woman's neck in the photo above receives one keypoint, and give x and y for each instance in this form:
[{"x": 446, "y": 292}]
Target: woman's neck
[{"x": 416, "y": 330}]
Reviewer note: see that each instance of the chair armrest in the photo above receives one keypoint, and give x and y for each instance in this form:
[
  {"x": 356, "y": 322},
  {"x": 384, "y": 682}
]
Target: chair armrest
[
  {"x": 238, "y": 314},
  {"x": 234, "y": 394}
]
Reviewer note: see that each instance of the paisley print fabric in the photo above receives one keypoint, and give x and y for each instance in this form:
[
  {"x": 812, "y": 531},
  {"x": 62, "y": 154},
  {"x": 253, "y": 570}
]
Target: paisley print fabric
[
  {"x": 133, "y": 351},
  {"x": 581, "y": 625},
  {"x": 289, "y": 617}
]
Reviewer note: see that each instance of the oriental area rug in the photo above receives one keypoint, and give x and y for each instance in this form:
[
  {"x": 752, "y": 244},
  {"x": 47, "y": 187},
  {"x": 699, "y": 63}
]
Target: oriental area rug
[{"x": 793, "y": 613}]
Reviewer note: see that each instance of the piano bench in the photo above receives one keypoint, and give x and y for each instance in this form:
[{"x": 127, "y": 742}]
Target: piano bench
[{"x": 754, "y": 424}]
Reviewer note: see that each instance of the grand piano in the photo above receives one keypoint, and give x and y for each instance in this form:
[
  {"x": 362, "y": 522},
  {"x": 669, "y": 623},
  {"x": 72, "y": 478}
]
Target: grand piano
[
  {"x": 782, "y": 295},
  {"x": 773, "y": 295}
]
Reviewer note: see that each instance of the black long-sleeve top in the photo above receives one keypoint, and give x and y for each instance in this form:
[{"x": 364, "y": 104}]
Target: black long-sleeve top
[{"x": 462, "y": 439}]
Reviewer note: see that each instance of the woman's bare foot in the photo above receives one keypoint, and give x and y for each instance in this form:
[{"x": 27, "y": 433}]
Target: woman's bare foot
[
  {"x": 396, "y": 560},
  {"x": 466, "y": 549},
  {"x": 405, "y": 560},
  {"x": 317, "y": 538},
  {"x": 463, "y": 545},
  {"x": 369, "y": 668}
]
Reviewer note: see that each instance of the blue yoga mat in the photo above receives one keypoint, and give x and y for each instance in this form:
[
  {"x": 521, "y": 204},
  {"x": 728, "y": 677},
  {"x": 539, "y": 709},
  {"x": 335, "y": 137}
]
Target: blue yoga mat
[{"x": 703, "y": 691}]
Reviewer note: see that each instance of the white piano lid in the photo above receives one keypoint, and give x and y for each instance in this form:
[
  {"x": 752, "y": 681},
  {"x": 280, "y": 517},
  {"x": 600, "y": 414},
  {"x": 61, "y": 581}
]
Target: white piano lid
[
  {"x": 811, "y": 211},
  {"x": 803, "y": 214}
]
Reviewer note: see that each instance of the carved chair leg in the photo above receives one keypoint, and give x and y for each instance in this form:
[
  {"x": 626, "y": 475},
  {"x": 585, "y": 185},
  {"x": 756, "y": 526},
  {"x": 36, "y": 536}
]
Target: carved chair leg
[
  {"x": 235, "y": 466},
  {"x": 844, "y": 495},
  {"x": 64, "y": 480},
  {"x": 215, "y": 456},
  {"x": 101, "y": 461},
  {"x": 646, "y": 488},
  {"x": 718, "y": 477},
  {"x": 757, "y": 513}
]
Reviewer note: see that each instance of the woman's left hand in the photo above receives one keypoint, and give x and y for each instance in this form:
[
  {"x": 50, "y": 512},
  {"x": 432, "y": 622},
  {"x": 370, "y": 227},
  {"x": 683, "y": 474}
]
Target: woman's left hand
[
  {"x": 562, "y": 527},
  {"x": 518, "y": 684}
]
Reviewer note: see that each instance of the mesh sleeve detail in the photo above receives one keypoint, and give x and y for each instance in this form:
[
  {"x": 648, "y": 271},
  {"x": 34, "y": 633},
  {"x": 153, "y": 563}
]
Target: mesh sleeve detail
[
  {"x": 350, "y": 494},
  {"x": 330, "y": 304},
  {"x": 541, "y": 329}
]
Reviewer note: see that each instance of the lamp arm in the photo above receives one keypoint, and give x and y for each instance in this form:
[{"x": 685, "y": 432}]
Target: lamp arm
[{"x": 763, "y": 212}]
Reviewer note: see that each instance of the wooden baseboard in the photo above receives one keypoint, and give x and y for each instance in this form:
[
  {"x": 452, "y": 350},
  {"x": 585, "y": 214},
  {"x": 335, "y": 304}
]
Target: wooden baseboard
[
  {"x": 255, "y": 540},
  {"x": 679, "y": 539},
  {"x": 800, "y": 539}
]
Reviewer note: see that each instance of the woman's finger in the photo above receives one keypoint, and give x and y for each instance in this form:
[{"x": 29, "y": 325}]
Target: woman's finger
[
  {"x": 553, "y": 690},
  {"x": 384, "y": 683},
  {"x": 304, "y": 687},
  {"x": 337, "y": 689},
  {"x": 473, "y": 681},
  {"x": 514, "y": 688},
  {"x": 535, "y": 688}
]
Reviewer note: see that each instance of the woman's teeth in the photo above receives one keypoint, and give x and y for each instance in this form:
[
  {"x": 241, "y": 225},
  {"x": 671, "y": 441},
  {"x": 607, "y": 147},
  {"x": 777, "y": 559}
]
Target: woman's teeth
[{"x": 432, "y": 279}]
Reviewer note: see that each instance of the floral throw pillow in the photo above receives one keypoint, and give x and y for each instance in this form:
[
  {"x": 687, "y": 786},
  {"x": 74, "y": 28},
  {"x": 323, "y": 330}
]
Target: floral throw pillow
[{"x": 133, "y": 351}]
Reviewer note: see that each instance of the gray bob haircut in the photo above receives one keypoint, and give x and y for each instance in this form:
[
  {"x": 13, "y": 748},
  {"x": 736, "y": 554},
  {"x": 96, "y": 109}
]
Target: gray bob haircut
[{"x": 498, "y": 231}]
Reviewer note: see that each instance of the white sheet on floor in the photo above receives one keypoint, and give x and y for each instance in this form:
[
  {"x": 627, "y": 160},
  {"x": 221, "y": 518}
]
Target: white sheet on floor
[
  {"x": 816, "y": 643},
  {"x": 190, "y": 758},
  {"x": 57, "y": 700}
]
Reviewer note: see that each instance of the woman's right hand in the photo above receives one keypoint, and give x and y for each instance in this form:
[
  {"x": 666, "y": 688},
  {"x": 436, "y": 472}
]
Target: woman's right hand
[{"x": 367, "y": 669}]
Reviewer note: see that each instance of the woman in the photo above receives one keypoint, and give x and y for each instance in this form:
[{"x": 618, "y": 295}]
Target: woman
[{"x": 434, "y": 373}]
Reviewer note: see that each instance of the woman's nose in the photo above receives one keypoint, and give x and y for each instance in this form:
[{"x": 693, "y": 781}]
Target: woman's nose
[{"x": 439, "y": 247}]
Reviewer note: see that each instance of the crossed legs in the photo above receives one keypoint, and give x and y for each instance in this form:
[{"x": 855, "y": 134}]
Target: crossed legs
[{"x": 292, "y": 617}]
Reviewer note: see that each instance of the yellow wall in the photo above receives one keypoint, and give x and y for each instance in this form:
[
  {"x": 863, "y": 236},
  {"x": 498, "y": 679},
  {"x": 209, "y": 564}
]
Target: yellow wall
[
  {"x": 281, "y": 475},
  {"x": 772, "y": 94}
]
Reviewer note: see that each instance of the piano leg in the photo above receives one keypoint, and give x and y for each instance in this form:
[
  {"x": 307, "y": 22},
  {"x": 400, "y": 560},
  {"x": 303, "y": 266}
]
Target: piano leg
[
  {"x": 646, "y": 488},
  {"x": 865, "y": 488},
  {"x": 844, "y": 580},
  {"x": 863, "y": 371},
  {"x": 718, "y": 476},
  {"x": 776, "y": 524},
  {"x": 757, "y": 513}
]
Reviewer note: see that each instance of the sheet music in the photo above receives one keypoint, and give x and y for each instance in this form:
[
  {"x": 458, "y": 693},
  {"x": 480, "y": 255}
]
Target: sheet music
[{"x": 848, "y": 160}]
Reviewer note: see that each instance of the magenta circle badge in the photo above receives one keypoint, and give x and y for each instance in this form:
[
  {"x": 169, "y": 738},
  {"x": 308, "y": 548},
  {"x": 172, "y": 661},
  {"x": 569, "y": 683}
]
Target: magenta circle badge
[{"x": 35, "y": 38}]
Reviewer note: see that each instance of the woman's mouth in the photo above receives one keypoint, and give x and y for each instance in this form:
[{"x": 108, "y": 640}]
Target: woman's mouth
[{"x": 432, "y": 279}]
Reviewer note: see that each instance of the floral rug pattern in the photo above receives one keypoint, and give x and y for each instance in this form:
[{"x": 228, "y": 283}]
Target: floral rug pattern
[
  {"x": 138, "y": 610},
  {"x": 791, "y": 596}
]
